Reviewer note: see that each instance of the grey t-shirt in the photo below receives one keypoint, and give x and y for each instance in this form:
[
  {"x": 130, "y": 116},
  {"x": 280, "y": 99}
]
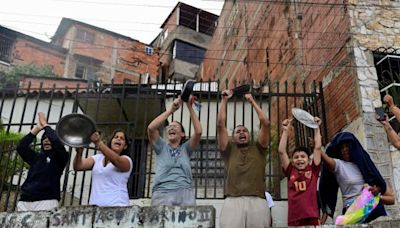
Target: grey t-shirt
[
  {"x": 173, "y": 169},
  {"x": 349, "y": 178}
]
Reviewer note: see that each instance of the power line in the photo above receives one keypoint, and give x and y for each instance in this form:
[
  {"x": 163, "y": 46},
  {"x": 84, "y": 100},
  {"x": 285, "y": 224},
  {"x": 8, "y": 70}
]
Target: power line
[
  {"x": 98, "y": 46},
  {"x": 123, "y": 4},
  {"x": 259, "y": 62},
  {"x": 284, "y": 2},
  {"x": 141, "y": 22},
  {"x": 236, "y": 28},
  {"x": 91, "y": 19},
  {"x": 219, "y": 27}
]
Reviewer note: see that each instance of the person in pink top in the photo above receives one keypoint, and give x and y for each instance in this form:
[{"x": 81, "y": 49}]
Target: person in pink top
[{"x": 302, "y": 178}]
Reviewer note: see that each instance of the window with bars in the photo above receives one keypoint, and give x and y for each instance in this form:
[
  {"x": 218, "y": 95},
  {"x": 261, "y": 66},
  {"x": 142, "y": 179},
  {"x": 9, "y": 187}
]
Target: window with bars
[
  {"x": 6, "y": 44},
  {"x": 388, "y": 71},
  {"x": 387, "y": 64}
]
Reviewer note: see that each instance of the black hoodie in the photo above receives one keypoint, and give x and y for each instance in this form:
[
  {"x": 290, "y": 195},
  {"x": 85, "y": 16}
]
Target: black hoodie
[
  {"x": 46, "y": 167},
  {"x": 328, "y": 186}
]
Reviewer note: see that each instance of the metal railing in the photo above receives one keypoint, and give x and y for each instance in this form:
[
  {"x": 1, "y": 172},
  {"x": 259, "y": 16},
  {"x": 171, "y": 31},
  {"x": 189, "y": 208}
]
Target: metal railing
[{"x": 132, "y": 107}]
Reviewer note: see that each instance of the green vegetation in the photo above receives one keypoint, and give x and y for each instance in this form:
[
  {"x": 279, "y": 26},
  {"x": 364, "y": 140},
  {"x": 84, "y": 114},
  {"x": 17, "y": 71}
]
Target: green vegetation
[
  {"x": 11, "y": 78},
  {"x": 10, "y": 162},
  {"x": 7, "y": 138}
]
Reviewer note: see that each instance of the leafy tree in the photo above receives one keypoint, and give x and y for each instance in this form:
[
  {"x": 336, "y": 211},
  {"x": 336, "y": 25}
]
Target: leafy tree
[{"x": 11, "y": 78}]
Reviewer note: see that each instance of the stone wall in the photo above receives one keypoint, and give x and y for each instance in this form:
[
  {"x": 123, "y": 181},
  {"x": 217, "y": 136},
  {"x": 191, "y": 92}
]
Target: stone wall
[
  {"x": 134, "y": 216},
  {"x": 374, "y": 26}
]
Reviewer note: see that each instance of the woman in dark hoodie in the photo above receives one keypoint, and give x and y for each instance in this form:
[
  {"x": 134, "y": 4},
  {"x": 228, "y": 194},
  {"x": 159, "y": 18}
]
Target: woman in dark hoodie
[
  {"x": 41, "y": 189},
  {"x": 349, "y": 167}
]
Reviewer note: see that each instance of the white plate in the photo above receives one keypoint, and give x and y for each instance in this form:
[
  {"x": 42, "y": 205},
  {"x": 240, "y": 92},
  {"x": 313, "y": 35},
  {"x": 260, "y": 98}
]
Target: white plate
[{"x": 304, "y": 117}]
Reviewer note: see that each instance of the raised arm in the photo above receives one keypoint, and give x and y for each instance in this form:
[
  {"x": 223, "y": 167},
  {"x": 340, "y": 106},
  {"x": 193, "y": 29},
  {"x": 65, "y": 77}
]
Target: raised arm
[
  {"x": 221, "y": 128},
  {"x": 82, "y": 164},
  {"x": 317, "y": 142},
  {"x": 393, "y": 137},
  {"x": 121, "y": 162},
  {"x": 28, "y": 154},
  {"x": 60, "y": 154},
  {"x": 153, "y": 128},
  {"x": 328, "y": 161},
  {"x": 263, "y": 134},
  {"x": 282, "y": 149},
  {"x": 50, "y": 133},
  {"x": 196, "y": 137},
  {"x": 392, "y": 107}
]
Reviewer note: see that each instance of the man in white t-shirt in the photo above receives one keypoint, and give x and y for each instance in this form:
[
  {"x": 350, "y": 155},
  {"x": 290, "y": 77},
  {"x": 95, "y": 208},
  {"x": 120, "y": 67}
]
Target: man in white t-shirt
[{"x": 270, "y": 204}]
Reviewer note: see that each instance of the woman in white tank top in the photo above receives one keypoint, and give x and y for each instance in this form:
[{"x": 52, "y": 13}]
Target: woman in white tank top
[{"x": 110, "y": 170}]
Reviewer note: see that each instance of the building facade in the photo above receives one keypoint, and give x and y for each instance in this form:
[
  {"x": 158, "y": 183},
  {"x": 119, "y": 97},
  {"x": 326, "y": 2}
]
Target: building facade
[
  {"x": 183, "y": 41},
  {"x": 336, "y": 42},
  {"x": 98, "y": 54},
  {"x": 84, "y": 52},
  {"x": 19, "y": 49}
]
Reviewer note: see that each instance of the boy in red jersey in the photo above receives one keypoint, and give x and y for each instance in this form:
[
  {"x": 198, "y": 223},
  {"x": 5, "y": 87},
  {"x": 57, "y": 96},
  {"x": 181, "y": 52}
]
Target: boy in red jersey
[{"x": 302, "y": 178}]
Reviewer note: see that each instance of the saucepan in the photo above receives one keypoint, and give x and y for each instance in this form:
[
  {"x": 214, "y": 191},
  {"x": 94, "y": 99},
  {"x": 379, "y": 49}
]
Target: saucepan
[{"x": 75, "y": 130}]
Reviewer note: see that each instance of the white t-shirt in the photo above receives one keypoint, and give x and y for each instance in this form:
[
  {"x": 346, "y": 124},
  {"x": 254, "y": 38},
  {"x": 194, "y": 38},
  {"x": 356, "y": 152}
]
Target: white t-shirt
[
  {"x": 268, "y": 197},
  {"x": 109, "y": 184},
  {"x": 349, "y": 178}
]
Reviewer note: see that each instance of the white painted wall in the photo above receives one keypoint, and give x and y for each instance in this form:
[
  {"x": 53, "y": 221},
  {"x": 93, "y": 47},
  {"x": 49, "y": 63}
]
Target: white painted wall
[{"x": 208, "y": 116}]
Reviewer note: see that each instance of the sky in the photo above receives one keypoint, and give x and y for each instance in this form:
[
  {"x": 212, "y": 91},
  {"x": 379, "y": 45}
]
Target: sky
[{"x": 138, "y": 19}]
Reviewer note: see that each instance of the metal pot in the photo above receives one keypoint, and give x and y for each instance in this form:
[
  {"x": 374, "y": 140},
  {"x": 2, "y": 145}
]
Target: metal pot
[{"x": 75, "y": 130}]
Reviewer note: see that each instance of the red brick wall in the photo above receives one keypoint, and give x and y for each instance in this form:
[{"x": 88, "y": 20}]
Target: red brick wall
[
  {"x": 169, "y": 26},
  {"x": 136, "y": 52},
  {"x": 126, "y": 52},
  {"x": 341, "y": 99},
  {"x": 49, "y": 83},
  {"x": 105, "y": 47},
  {"x": 272, "y": 41},
  {"x": 27, "y": 52}
]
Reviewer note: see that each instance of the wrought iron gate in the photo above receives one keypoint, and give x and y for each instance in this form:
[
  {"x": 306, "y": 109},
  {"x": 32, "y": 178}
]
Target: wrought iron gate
[{"x": 132, "y": 107}]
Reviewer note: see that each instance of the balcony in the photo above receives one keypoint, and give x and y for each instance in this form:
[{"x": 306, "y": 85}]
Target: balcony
[{"x": 182, "y": 70}]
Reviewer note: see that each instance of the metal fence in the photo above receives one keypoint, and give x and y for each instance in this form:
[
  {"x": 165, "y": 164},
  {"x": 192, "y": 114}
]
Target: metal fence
[
  {"x": 387, "y": 65},
  {"x": 132, "y": 107}
]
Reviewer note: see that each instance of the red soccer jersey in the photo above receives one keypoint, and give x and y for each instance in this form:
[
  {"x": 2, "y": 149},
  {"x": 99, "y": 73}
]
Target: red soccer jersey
[{"x": 302, "y": 192}]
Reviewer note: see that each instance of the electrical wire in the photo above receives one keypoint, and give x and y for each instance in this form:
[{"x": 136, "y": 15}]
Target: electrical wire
[
  {"x": 100, "y": 46},
  {"x": 259, "y": 62},
  {"x": 283, "y": 2},
  {"x": 263, "y": 49}
]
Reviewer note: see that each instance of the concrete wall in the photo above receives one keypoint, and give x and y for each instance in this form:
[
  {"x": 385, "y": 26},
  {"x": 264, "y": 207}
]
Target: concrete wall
[
  {"x": 17, "y": 112},
  {"x": 208, "y": 116},
  {"x": 134, "y": 216}
]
